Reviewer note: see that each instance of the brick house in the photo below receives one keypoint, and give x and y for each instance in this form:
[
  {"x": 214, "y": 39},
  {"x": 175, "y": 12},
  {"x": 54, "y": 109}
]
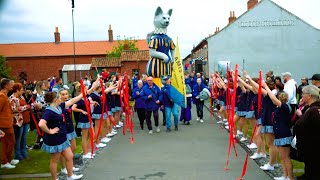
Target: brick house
[{"x": 37, "y": 61}]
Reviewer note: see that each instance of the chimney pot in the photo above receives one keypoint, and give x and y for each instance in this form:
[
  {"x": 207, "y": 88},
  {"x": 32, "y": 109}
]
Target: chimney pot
[
  {"x": 57, "y": 36},
  {"x": 110, "y": 33},
  {"x": 232, "y": 17},
  {"x": 251, "y": 4}
]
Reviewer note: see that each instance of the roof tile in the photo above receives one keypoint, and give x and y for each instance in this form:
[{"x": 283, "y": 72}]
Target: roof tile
[{"x": 62, "y": 49}]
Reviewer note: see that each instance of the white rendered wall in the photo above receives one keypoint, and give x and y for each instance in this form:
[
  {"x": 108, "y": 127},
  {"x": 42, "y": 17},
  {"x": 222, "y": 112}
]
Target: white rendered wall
[{"x": 268, "y": 38}]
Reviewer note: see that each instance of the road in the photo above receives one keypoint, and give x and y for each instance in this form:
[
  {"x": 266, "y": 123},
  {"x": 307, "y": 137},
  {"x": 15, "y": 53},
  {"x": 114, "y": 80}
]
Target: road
[{"x": 195, "y": 152}]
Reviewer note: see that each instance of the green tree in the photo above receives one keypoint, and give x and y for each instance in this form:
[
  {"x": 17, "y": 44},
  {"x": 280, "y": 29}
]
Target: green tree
[
  {"x": 122, "y": 45},
  {"x": 4, "y": 70}
]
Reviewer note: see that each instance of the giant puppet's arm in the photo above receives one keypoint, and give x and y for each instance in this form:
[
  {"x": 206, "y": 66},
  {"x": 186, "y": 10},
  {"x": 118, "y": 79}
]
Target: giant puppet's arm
[
  {"x": 160, "y": 55},
  {"x": 172, "y": 51}
]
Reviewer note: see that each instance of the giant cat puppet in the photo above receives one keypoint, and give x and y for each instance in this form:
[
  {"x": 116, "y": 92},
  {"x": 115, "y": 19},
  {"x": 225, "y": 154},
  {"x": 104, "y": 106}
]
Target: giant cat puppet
[{"x": 161, "y": 47}]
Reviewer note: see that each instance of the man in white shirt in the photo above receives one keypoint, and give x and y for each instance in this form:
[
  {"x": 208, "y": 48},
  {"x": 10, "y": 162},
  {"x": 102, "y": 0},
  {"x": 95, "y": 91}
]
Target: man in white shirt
[{"x": 291, "y": 89}]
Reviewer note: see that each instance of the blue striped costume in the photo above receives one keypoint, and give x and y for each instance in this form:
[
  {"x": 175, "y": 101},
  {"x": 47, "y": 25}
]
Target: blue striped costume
[{"x": 155, "y": 66}]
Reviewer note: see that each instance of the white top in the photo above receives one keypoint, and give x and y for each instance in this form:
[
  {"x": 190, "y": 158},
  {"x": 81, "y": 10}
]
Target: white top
[{"x": 290, "y": 89}]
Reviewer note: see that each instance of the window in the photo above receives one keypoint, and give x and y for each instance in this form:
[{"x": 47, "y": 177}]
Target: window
[{"x": 135, "y": 71}]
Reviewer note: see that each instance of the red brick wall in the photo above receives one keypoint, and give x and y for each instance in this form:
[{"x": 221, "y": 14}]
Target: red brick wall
[
  {"x": 38, "y": 68},
  {"x": 128, "y": 66}
]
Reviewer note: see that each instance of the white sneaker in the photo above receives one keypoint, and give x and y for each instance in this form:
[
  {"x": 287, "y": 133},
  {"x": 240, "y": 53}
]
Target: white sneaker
[
  {"x": 110, "y": 135},
  {"x": 74, "y": 177},
  {"x": 14, "y": 161},
  {"x": 120, "y": 123},
  {"x": 280, "y": 178},
  {"x": 276, "y": 165},
  {"x": 227, "y": 127},
  {"x": 220, "y": 122},
  {"x": 87, "y": 156},
  {"x": 7, "y": 166},
  {"x": 118, "y": 126},
  {"x": 243, "y": 139},
  {"x": 64, "y": 171},
  {"x": 226, "y": 124},
  {"x": 267, "y": 167},
  {"x": 101, "y": 145},
  {"x": 252, "y": 146},
  {"x": 90, "y": 154},
  {"x": 114, "y": 132},
  {"x": 105, "y": 140},
  {"x": 225, "y": 120},
  {"x": 150, "y": 132},
  {"x": 256, "y": 156},
  {"x": 158, "y": 130},
  {"x": 74, "y": 169},
  {"x": 201, "y": 121},
  {"x": 198, "y": 118},
  {"x": 239, "y": 132},
  {"x": 215, "y": 109}
]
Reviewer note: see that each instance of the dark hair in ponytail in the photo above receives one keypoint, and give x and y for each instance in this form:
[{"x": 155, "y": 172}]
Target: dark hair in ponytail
[{"x": 50, "y": 97}]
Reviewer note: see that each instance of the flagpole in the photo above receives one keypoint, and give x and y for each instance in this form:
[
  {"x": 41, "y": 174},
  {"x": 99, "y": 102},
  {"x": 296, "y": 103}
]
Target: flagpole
[{"x": 74, "y": 46}]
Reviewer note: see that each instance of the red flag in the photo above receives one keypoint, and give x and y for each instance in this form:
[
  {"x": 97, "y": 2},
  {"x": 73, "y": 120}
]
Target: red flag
[
  {"x": 41, "y": 133},
  {"x": 89, "y": 116}
]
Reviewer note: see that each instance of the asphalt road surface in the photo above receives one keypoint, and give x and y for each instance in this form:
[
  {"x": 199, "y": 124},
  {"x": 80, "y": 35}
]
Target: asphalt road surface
[{"x": 195, "y": 152}]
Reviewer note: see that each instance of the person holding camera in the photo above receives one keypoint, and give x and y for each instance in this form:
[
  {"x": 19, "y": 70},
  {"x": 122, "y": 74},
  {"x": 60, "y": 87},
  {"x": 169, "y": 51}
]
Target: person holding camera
[{"x": 169, "y": 105}]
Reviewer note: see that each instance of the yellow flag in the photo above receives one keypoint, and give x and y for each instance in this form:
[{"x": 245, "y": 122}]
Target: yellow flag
[{"x": 178, "y": 92}]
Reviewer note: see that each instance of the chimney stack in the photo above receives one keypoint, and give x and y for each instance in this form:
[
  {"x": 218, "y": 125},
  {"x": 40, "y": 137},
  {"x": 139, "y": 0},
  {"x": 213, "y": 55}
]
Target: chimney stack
[
  {"x": 126, "y": 45},
  {"x": 110, "y": 32},
  {"x": 252, "y": 3},
  {"x": 57, "y": 36},
  {"x": 232, "y": 17},
  {"x": 217, "y": 30}
]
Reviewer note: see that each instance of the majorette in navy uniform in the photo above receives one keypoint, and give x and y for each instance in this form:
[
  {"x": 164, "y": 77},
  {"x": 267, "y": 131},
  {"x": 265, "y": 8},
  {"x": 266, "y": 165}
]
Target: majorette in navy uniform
[
  {"x": 96, "y": 114},
  {"x": 83, "y": 122},
  {"x": 71, "y": 133},
  {"x": 117, "y": 103},
  {"x": 268, "y": 115},
  {"x": 250, "y": 105},
  {"x": 221, "y": 97},
  {"x": 53, "y": 143},
  {"x": 242, "y": 104},
  {"x": 257, "y": 115},
  {"x": 111, "y": 103},
  {"x": 281, "y": 128}
]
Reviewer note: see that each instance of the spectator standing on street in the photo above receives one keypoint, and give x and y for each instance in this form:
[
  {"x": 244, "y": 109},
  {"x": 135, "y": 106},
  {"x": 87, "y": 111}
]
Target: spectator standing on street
[
  {"x": 6, "y": 126},
  {"x": 315, "y": 80},
  {"x": 307, "y": 132},
  {"x": 58, "y": 85},
  {"x": 290, "y": 88},
  {"x": 270, "y": 76},
  {"x": 304, "y": 82},
  {"x": 21, "y": 119}
]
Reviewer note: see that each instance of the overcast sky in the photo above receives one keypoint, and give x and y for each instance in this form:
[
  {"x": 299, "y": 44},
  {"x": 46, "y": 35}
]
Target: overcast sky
[{"x": 191, "y": 21}]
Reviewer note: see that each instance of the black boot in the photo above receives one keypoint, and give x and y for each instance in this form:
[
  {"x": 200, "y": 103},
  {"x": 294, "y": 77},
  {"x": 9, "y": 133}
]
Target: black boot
[
  {"x": 164, "y": 123},
  {"x": 176, "y": 128},
  {"x": 188, "y": 123}
]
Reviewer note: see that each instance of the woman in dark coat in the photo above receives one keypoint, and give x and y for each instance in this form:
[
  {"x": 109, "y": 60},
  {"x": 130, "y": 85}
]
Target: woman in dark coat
[{"x": 307, "y": 135}]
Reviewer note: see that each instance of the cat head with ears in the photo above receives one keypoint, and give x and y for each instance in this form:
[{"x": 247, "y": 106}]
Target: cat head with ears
[{"x": 162, "y": 20}]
